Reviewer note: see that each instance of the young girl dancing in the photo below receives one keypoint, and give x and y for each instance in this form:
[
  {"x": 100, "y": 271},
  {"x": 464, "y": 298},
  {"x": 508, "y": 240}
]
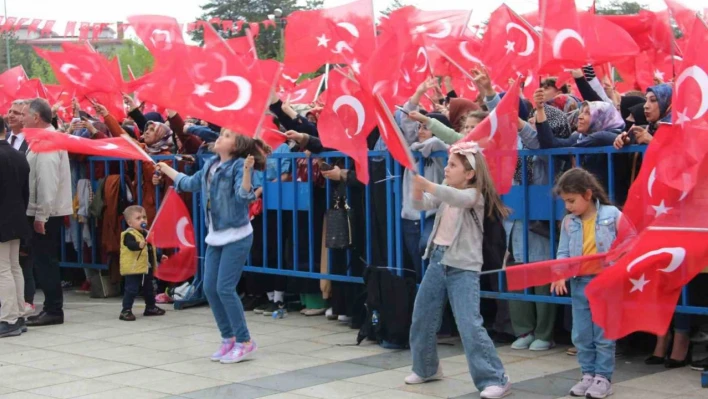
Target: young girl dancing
[
  {"x": 455, "y": 252},
  {"x": 225, "y": 184},
  {"x": 590, "y": 228}
]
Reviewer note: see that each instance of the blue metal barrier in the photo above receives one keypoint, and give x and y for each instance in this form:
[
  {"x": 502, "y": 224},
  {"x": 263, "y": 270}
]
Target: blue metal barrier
[{"x": 291, "y": 203}]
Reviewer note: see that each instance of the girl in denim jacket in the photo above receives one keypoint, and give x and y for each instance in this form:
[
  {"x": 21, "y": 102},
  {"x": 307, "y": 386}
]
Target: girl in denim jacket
[
  {"x": 226, "y": 191},
  {"x": 455, "y": 252},
  {"x": 590, "y": 228}
]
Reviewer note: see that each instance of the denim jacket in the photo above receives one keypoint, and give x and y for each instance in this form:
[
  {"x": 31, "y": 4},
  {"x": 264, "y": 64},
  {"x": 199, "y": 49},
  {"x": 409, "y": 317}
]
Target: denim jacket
[
  {"x": 229, "y": 202},
  {"x": 571, "y": 236}
]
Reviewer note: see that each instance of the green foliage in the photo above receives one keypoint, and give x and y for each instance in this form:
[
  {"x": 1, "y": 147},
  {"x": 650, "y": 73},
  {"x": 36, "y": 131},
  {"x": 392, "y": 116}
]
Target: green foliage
[
  {"x": 22, "y": 54},
  {"x": 134, "y": 54},
  {"x": 269, "y": 41},
  {"x": 617, "y": 7},
  {"x": 393, "y": 6}
]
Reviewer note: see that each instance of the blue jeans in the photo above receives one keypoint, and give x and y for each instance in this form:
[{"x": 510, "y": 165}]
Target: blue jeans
[
  {"x": 461, "y": 287},
  {"x": 596, "y": 354},
  {"x": 222, "y": 271},
  {"x": 414, "y": 242}
]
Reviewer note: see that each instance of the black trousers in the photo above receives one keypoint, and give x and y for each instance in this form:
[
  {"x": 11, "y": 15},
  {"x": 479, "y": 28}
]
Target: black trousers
[
  {"x": 44, "y": 253},
  {"x": 132, "y": 287}
]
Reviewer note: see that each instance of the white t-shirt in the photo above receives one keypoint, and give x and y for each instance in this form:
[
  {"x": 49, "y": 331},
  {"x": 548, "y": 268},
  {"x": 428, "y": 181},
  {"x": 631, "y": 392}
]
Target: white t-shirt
[{"x": 219, "y": 238}]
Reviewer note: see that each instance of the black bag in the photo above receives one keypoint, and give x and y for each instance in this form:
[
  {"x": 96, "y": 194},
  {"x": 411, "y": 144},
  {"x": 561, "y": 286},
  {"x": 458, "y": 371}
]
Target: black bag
[
  {"x": 339, "y": 225},
  {"x": 389, "y": 308},
  {"x": 493, "y": 239}
]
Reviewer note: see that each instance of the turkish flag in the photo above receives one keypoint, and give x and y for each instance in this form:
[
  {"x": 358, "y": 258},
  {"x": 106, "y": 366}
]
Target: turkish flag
[
  {"x": 163, "y": 38},
  {"x": 288, "y": 78},
  {"x": 427, "y": 27},
  {"x": 685, "y": 17},
  {"x": 650, "y": 30},
  {"x": 497, "y": 136},
  {"x": 33, "y": 26},
  {"x": 343, "y": 34},
  {"x": 681, "y": 161},
  {"x": 640, "y": 292},
  {"x": 11, "y": 81},
  {"x": 173, "y": 228},
  {"x": 347, "y": 120},
  {"x": 47, "y": 28},
  {"x": 304, "y": 93},
  {"x": 562, "y": 41},
  {"x": 518, "y": 55},
  {"x": 32, "y": 88},
  {"x": 41, "y": 140}
]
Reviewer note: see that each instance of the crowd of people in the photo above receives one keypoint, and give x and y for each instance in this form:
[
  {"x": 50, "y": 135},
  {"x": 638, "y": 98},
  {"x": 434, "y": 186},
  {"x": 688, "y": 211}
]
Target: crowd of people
[{"x": 441, "y": 212}]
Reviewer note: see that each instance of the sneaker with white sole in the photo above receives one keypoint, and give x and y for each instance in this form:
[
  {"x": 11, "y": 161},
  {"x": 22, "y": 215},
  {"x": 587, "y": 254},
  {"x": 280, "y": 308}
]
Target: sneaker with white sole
[
  {"x": 415, "y": 379},
  {"x": 226, "y": 346},
  {"x": 523, "y": 342},
  {"x": 579, "y": 389},
  {"x": 496, "y": 391},
  {"x": 240, "y": 352},
  {"x": 600, "y": 388},
  {"x": 541, "y": 345}
]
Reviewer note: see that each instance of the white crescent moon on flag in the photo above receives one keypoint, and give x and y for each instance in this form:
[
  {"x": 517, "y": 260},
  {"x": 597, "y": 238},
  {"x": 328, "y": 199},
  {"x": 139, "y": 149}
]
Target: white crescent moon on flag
[
  {"x": 493, "y": 124},
  {"x": 699, "y": 75},
  {"x": 650, "y": 182},
  {"x": 167, "y": 39},
  {"x": 358, "y": 108},
  {"x": 342, "y": 46},
  {"x": 244, "y": 94},
  {"x": 678, "y": 254},
  {"x": 378, "y": 86},
  {"x": 561, "y": 37},
  {"x": 530, "y": 46},
  {"x": 298, "y": 95},
  {"x": 66, "y": 70},
  {"x": 349, "y": 28},
  {"x": 109, "y": 146},
  {"x": 465, "y": 53},
  {"x": 444, "y": 32},
  {"x": 182, "y": 224},
  {"x": 421, "y": 50}
]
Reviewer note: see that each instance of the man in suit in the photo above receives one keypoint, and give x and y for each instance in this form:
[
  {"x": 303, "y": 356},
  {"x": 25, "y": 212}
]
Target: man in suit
[
  {"x": 49, "y": 202},
  {"x": 14, "y": 199},
  {"x": 15, "y": 137}
]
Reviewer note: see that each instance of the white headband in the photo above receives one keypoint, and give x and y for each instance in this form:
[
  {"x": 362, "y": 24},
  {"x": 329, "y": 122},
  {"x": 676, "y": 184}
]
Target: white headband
[{"x": 468, "y": 149}]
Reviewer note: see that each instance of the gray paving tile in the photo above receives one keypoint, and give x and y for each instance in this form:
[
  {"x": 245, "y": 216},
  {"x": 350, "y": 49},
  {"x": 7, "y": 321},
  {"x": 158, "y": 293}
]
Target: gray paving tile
[
  {"x": 387, "y": 361},
  {"x": 289, "y": 381},
  {"x": 233, "y": 391},
  {"x": 514, "y": 394},
  {"x": 549, "y": 385},
  {"x": 342, "y": 370}
]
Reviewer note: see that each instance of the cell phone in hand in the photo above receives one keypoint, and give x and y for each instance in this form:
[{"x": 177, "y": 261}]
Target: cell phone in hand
[{"x": 324, "y": 166}]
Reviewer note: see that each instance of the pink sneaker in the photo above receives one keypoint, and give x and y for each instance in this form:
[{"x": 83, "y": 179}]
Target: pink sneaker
[
  {"x": 239, "y": 352},
  {"x": 226, "y": 346}
]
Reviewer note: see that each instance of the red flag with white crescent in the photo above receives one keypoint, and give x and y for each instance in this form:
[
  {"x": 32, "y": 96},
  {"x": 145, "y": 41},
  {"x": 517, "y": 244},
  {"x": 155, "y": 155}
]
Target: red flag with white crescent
[{"x": 173, "y": 228}]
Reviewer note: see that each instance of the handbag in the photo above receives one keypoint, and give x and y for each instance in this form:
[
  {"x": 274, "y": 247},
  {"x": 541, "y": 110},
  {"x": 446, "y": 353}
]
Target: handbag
[{"x": 339, "y": 225}]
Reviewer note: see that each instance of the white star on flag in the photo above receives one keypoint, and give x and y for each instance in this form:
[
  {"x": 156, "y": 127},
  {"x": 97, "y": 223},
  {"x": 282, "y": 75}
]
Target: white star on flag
[
  {"x": 509, "y": 47},
  {"x": 201, "y": 89},
  {"x": 661, "y": 209},
  {"x": 638, "y": 285},
  {"x": 682, "y": 118},
  {"x": 420, "y": 29},
  {"x": 659, "y": 75},
  {"x": 322, "y": 41}
]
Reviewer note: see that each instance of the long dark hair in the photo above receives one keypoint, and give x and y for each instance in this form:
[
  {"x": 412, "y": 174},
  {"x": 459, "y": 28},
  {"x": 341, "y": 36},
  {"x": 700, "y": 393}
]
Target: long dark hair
[
  {"x": 579, "y": 181},
  {"x": 246, "y": 146}
]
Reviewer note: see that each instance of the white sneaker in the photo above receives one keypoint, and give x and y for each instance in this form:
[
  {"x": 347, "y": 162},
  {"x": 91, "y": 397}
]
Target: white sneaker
[
  {"x": 415, "y": 379},
  {"x": 496, "y": 391},
  {"x": 344, "y": 319},
  {"x": 523, "y": 342}
]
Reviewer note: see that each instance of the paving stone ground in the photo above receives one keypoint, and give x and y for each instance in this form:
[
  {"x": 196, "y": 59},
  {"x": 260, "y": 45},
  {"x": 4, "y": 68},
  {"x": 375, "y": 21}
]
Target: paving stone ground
[{"x": 96, "y": 356}]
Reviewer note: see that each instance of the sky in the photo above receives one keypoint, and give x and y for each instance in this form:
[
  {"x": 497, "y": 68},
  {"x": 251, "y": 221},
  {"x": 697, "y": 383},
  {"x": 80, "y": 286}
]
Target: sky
[{"x": 188, "y": 10}]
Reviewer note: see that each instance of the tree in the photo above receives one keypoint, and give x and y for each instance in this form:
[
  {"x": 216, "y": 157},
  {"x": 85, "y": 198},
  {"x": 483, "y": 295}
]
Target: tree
[
  {"x": 617, "y": 7},
  {"x": 22, "y": 54},
  {"x": 393, "y": 6},
  {"x": 270, "y": 40},
  {"x": 134, "y": 54}
]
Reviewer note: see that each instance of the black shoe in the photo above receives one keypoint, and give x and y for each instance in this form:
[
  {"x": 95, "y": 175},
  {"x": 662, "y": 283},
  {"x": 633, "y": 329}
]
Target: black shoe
[
  {"x": 154, "y": 311},
  {"x": 10, "y": 330},
  {"x": 250, "y": 302},
  {"x": 23, "y": 324},
  {"x": 676, "y": 364},
  {"x": 268, "y": 311},
  {"x": 127, "y": 315},
  {"x": 45, "y": 319},
  {"x": 700, "y": 365}
]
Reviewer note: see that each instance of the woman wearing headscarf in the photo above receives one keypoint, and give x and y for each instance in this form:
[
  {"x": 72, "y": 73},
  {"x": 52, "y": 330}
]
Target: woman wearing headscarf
[
  {"x": 459, "y": 109},
  {"x": 657, "y": 110}
]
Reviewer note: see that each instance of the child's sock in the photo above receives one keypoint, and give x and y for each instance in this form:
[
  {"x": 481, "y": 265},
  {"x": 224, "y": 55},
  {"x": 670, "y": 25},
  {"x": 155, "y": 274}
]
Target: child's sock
[
  {"x": 279, "y": 296},
  {"x": 271, "y": 295}
]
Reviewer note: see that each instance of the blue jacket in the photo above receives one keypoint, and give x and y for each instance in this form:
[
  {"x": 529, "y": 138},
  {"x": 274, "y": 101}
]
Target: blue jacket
[
  {"x": 571, "y": 235},
  {"x": 229, "y": 202}
]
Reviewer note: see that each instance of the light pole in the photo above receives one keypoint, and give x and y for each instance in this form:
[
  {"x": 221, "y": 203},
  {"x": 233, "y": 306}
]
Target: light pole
[
  {"x": 7, "y": 36},
  {"x": 280, "y": 22}
]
